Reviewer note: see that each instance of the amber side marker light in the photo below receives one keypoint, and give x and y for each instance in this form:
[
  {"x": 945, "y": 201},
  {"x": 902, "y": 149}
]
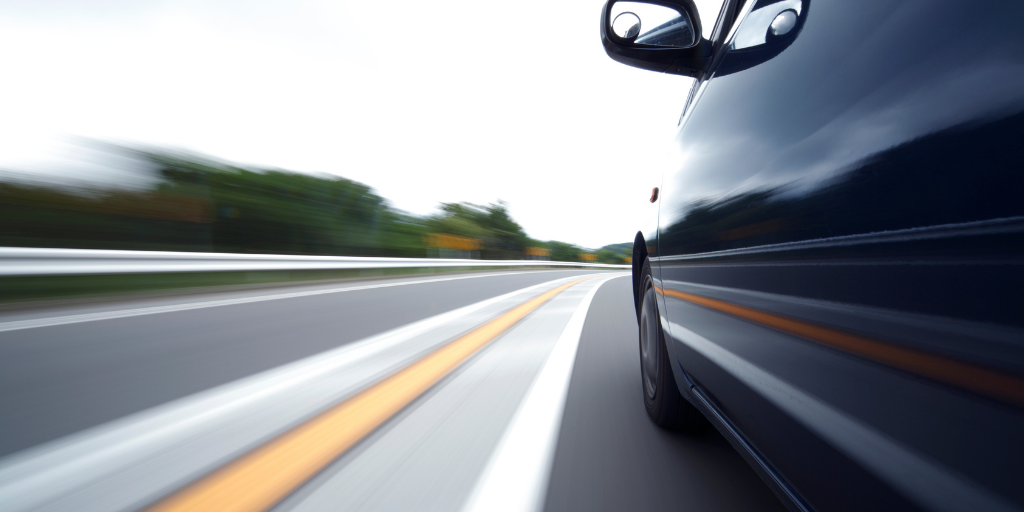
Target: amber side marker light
[{"x": 654, "y": 194}]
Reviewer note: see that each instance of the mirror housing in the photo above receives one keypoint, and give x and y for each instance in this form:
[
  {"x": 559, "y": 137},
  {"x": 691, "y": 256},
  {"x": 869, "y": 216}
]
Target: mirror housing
[{"x": 692, "y": 60}]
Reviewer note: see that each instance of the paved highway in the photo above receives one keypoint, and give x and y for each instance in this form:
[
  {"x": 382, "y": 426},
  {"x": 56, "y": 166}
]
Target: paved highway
[{"x": 498, "y": 391}]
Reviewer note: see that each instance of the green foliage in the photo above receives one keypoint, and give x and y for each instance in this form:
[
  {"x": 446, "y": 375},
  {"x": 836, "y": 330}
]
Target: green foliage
[
  {"x": 275, "y": 211},
  {"x": 615, "y": 253},
  {"x": 41, "y": 216},
  {"x": 606, "y": 256},
  {"x": 561, "y": 251},
  {"x": 204, "y": 205},
  {"x": 500, "y": 235},
  {"x": 200, "y": 204}
]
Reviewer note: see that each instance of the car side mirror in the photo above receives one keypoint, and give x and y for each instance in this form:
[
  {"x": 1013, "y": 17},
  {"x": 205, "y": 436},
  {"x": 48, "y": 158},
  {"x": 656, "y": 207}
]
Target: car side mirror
[
  {"x": 769, "y": 28},
  {"x": 658, "y": 35}
]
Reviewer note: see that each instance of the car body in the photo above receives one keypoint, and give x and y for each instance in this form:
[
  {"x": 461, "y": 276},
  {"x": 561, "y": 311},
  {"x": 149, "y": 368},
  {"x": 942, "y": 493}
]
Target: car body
[{"x": 837, "y": 249}]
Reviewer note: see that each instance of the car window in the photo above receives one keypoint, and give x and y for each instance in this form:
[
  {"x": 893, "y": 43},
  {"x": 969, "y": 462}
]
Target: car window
[
  {"x": 709, "y": 11},
  {"x": 755, "y": 25},
  {"x": 717, "y": 17}
]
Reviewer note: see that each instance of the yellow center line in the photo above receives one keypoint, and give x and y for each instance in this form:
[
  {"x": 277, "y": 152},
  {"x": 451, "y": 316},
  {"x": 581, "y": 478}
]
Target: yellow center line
[{"x": 264, "y": 476}]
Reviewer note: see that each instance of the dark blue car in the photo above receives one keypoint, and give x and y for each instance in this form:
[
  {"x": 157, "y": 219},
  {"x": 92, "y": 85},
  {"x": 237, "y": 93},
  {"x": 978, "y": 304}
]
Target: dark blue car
[{"x": 832, "y": 270}]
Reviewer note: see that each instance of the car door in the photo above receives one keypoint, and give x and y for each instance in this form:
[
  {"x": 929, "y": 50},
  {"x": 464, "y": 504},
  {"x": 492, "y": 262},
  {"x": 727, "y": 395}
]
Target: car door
[{"x": 841, "y": 251}]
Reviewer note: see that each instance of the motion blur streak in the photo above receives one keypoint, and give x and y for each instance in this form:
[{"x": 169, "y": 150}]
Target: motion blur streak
[
  {"x": 125, "y": 313},
  {"x": 517, "y": 473},
  {"x": 170, "y": 200},
  {"x": 980, "y": 380},
  {"x": 261, "y": 479},
  {"x": 922, "y": 480}
]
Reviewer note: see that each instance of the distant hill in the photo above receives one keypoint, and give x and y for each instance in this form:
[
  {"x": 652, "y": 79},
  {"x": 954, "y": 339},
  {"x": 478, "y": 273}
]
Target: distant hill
[
  {"x": 626, "y": 249},
  {"x": 615, "y": 253}
]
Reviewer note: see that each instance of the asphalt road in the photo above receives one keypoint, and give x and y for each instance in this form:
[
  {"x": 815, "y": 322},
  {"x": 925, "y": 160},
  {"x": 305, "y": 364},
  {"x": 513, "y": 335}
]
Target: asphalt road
[
  {"x": 155, "y": 394},
  {"x": 611, "y": 457}
]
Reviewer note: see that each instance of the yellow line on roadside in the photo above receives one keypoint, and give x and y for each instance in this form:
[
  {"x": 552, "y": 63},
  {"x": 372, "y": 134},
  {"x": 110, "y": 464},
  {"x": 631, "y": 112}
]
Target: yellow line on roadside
[{"x": 258, "y": 480}]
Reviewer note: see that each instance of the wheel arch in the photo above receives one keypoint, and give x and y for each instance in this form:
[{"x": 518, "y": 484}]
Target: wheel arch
[{"x": 639, "y": 256}]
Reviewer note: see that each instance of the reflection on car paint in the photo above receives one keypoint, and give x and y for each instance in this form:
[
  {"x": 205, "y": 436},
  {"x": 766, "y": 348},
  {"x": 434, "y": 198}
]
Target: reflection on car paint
[{"x": 844, "y": 216}]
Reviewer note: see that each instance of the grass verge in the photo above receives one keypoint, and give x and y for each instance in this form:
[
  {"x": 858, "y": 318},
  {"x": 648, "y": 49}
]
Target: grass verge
[{"x": 38, "y": 288}]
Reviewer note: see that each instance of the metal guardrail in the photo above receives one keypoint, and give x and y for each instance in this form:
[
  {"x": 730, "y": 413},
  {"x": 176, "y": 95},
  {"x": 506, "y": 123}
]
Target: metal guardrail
[{"x": 21, "y": 261}]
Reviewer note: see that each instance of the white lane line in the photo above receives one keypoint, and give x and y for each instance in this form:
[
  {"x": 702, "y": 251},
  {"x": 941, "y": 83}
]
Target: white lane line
[
  {"x": 125, "y": 313},
  {"x": 923, "y": 481},
  {"x": 91, "y": 461},
  {"x": 516, "y": 476}
]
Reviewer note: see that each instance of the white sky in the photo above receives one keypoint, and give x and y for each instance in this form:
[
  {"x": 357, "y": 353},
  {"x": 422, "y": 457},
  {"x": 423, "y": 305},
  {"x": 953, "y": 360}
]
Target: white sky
[{"x": 423, "y": 101}]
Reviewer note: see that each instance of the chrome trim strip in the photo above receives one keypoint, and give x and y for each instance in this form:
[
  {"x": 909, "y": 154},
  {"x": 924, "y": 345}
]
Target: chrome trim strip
[
  {"x": 780, "y": 482},
  {"x": 976, "y": 228}
]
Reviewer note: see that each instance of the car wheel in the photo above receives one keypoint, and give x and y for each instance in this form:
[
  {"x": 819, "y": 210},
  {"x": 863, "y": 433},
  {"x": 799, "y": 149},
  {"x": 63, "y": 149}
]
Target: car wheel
[{"x": 664, "y": 404}]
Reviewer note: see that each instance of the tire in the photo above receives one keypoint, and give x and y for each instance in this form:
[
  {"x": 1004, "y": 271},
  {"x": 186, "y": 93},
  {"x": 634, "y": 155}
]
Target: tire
[{"x": 664, "y": 404}]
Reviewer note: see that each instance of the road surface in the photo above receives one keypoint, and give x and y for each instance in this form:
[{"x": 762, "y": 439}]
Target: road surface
[{"x": 513, "y": 390}]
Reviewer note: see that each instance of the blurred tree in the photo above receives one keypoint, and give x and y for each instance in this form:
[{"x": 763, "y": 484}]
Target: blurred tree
[
  {"x": 501, "y": 236},
  {"x": 561, "y": 251},
  {"x": 615, "y": 253},
  {"x": 201, "y": 204},
  {"x": 279, "y": 211}
]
